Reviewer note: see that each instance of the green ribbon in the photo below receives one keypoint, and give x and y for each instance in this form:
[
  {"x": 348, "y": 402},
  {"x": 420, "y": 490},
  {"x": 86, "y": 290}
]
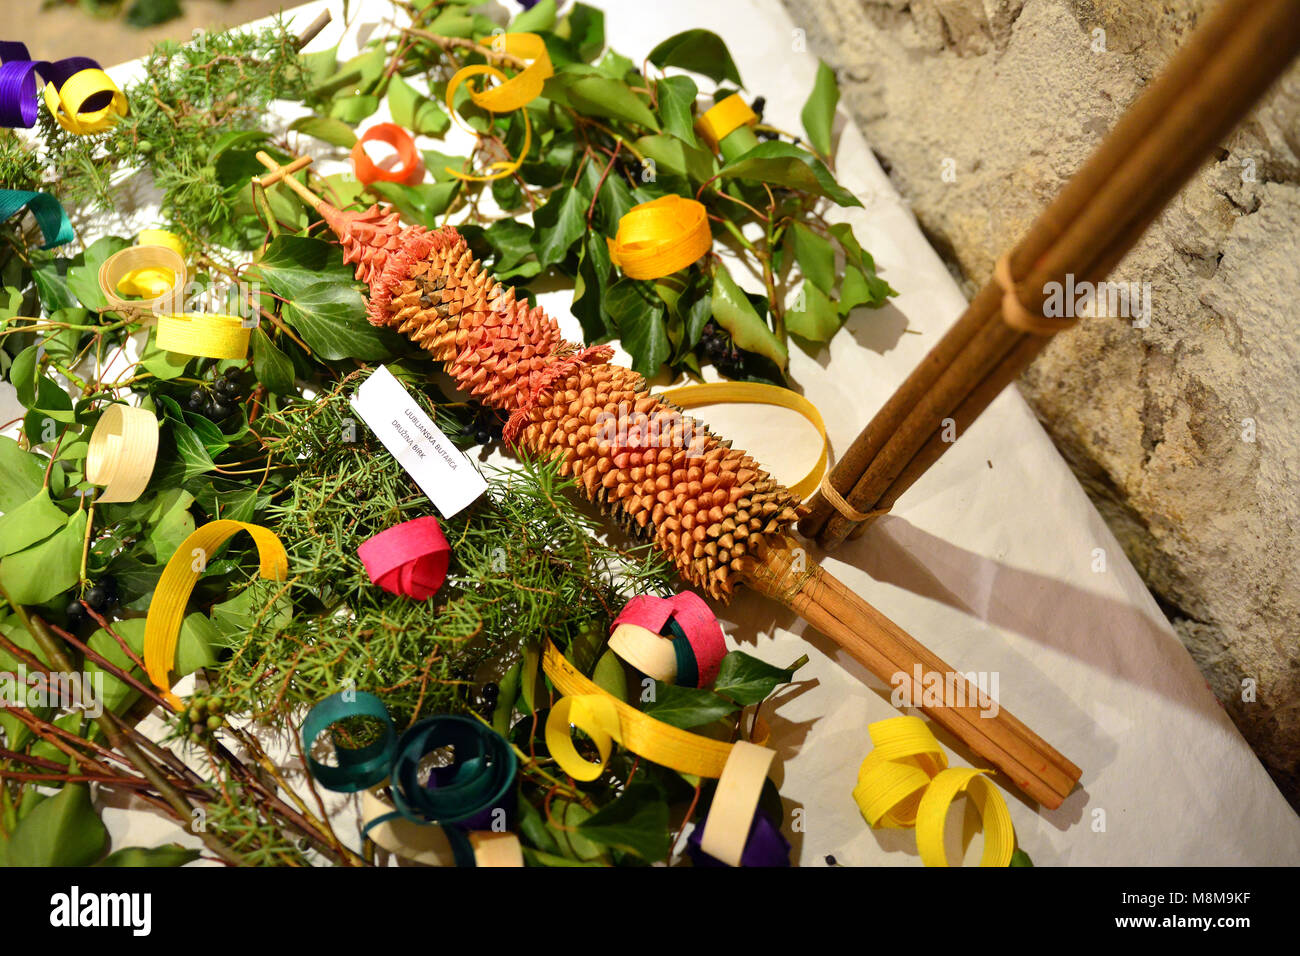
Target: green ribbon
[
  {"x": 688, "y": 669},
  {"x": 47, "y": 211}
]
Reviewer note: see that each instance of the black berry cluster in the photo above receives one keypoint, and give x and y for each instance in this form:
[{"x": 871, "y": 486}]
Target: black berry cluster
[
  {"x": 218, "y": 400},
  {"x": 717, "y": 346},
  {"x": 488, "y": 696},
  {"x": 485, "y": 427},
  {"x": 102, "y": 597}
]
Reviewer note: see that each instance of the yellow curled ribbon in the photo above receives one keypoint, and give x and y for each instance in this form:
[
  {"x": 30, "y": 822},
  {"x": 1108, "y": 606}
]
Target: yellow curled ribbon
[
  {"x": 66, "y": 103},
  {"x": 153, "y": 269},
  {"x": 606, "y": 719},
  {"x": 150, "y": 282},
  {"x": 167, "y": 608},
  {"x": 512, "y": 93},
  {"x": 719, "y": 393},
  {"x": 659, "y": 237},
  {"x": 905, "y": 782},
  {"x": 123, "y": 448},
  {"x": 723, "y": 119},
  {"x": 210, "y": 336}
]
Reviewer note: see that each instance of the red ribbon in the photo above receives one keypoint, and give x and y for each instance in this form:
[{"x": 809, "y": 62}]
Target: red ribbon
[{"x": 409, "y": 559}]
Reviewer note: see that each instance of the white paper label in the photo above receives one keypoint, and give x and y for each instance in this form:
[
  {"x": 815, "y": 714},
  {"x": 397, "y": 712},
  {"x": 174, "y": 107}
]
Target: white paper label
[{"x": 440, "y": 469}]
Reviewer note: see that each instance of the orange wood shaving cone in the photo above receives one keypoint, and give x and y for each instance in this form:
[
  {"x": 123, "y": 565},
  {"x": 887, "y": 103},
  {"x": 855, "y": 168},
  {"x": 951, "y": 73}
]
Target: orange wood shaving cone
[{"x": 663, "y": 475}]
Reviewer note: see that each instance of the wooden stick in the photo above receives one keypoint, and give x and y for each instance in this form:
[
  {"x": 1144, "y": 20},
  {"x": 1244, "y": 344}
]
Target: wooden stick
[
  {"x": 313, "y": 28},
  {"x": 284, "y": 173},
  {"x": 894, "y": 656},
  {"x": 1264, "y": 36}
]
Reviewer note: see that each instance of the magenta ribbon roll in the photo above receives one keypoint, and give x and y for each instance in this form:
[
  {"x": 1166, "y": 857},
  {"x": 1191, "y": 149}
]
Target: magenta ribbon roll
[
  {"x": 692, "y": 616},
  {"x": 409, "y": 559}
]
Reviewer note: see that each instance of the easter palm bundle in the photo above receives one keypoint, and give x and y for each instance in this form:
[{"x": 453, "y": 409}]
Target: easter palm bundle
[{"x": 710, "y": 508}]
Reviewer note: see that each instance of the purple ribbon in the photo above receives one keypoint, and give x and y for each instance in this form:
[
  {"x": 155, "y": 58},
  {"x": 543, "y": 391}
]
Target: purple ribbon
[
  {"x": 765, "y": 845},
  {"x": 18, "y": 96}
]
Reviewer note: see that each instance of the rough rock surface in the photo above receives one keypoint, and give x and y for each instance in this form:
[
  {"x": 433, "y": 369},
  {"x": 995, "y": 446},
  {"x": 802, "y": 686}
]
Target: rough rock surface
[{"x": 1185, "y": 433}]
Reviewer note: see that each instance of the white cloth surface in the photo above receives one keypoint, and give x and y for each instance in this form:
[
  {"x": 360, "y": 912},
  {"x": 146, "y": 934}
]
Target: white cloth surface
[{"x": 988, "y": 559}]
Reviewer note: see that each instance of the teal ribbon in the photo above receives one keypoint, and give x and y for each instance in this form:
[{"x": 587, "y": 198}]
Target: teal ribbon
[
  {"x": 359, "y": 768},
  {"x": 47, "y": 211},
  {"x": 478, "y": 780},
  {"x": 688, "y": 669}
]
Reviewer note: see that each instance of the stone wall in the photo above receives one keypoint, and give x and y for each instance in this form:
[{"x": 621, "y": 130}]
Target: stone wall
[{"x": 1187, "y": 433}]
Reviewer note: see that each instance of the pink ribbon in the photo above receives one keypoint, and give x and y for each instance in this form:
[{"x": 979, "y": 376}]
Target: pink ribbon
[
  {"x": 409, "y": 559},
  {"x": 702, "y": 630}
]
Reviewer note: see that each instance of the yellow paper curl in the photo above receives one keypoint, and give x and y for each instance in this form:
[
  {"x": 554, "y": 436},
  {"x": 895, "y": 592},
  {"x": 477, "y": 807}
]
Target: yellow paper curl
[
  {"x": 659, "y": 237},
  {"x": 65, "y": 104},
  {"x": 151, "y": 282},
  {"x": 725, "y": 118},
  {"x": 512, "y": 93},
  {"x": 171, "y": 594},
  {"x": 720, "y": 393},
  {"x": 638, "y": 732},
  {"x": 905, "y": 782},
  {"x": 210, "y": 336}
]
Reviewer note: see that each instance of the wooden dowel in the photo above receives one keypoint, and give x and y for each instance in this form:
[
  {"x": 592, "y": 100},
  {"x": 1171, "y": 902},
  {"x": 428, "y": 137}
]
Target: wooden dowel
[
  {"x": 1266, "y": 38},
  {"x": 892, "y": 655},
  {"x": 313, "y": 28},
  {"x": 1075, "y": 195}
]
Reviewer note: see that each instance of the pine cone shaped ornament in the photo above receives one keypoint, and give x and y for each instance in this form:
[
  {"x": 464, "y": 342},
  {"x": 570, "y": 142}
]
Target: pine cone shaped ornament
[{"x": 662, "y": 474}]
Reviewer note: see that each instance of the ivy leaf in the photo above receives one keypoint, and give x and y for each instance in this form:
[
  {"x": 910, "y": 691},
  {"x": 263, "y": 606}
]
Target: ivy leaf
[
  {"x": 673, "y": 155},
  {"x": 323, "y": 303},
  {"x": 688, "y": 707},
  {"x": 415, "y": 111},
  {"x": 540, "y": 17},
  {"x": 700, "y": 51},
  {"x": 64, "y": 830},
  {"x": 638, "y": 315},
  {"x": 44, "y": 570},
  {"x": 353, "y": 108},
  {"x": 21, "y": 474},
  {"x": 162, "y": 364},
  {"x": 818, "y": 114},
  {"x": 272, "y": 367},
  {"x": 676, "y": 97},
  {"x": 636, "y": 822},
  {"x": 588, "y": 304},
  {"x": 33, "y": 520},
  {"x": 584, "y": 28},
  {"x": 735, "y": 313},
  {"x": 784, "y": 164},
  {"x": 83, "y": 276},
  {"x": 511, "y": 241},
  {"x": 191, "y": 452},
  {"x": 818, "y": 320},
  {"x": 169, "y": 854},
  {"x": 559, "y": 224},
  {"x": 815, "y": 257},
  {"x": 600, "y": 96},
  {"x": 857, "y": 289},
  {"x": 748, "y": 680},
  {"x": 422, "y": 203},
  {"x": 332, "y": 131},
  {"x": 610, "y": 676}
]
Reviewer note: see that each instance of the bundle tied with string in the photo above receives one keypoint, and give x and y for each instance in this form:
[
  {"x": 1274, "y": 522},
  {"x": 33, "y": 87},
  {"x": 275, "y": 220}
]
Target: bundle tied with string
[{"x": 718, "y": 516}]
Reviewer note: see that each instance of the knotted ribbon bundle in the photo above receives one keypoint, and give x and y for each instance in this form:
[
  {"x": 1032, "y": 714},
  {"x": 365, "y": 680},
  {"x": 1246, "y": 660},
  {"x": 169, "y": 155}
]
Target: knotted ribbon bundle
[
  {"x": 81, "y": 97},
  {"x": 670, "y": 639},
  {"x": 409, "y": 559},
  {"x": 454, "y": 816}
]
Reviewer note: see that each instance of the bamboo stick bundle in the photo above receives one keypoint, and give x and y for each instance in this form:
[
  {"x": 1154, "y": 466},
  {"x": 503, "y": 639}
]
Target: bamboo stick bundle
[
  {"x": 1225, "y": 66},
  {"x": 710, "y": 508}
]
